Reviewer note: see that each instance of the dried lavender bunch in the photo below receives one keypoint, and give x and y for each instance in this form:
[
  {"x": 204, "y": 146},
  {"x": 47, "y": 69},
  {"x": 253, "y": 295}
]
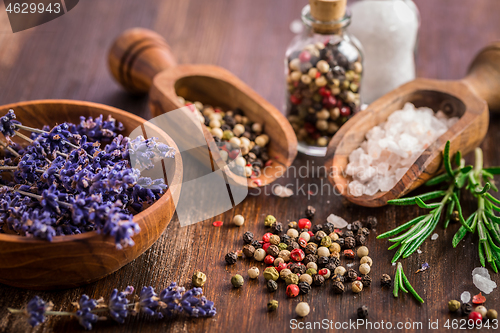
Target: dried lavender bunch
[
  {"x": 172, "y": 301},
  {"x": 64, "y": 183}
]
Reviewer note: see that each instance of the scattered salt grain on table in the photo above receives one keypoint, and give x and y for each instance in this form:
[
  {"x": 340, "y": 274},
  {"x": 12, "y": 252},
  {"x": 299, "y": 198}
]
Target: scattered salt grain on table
[
  {"x": 282, "y": 191},
  {"x": 434, "y": 236},
  {"x": 465, "y": 297},
  {"x": 482, "y": 280},
  {"x": 419, "y": 251},
  {"x": 337, "y": 221},
  {"x": 392, "y": 147}
]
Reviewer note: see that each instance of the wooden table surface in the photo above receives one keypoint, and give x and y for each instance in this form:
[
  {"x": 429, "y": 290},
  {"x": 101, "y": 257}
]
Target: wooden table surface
[{"x": 66, "y": 58}]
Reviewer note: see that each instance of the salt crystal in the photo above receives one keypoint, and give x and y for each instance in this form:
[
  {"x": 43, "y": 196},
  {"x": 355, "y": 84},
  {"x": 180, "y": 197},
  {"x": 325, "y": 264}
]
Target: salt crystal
[
  {"x": 393, "y": 264},
  {"x": 486, "y": 285},
  {"x": 481, "y": 271},
  {"x": 434, "y": 236},
  {"x": 350, "y": 265},
  {"x": 337, "y": 221},
  {"x": 282, "y": 191},
  {"x": 349, "y": 226},
  {"x": 392, "y": 147},
  {"x": 419, "y": 251},
  {"x": 465, "y": 297}
]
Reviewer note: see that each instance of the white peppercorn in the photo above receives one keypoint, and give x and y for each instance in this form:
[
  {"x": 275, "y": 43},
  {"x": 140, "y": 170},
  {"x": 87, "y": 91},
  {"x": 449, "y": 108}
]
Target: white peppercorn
[
  {"x": 259, "y": 254},
  {"x": 306, "y": 278},
  {"x": 238, "y": 220},
  {"x": 293, "y": 233},
  {"x": 216, "y": 132},
  {"x": 482, "y": 310},
  {"x": 278, "y": 261},
  {"x": 302, "y": 309},
  {"x": 284, "y": 273},
  {"x": 240, "y": 160},
  {"x": 306, "y": 236},
  {"x": 238, "y": 129},
  {"x": 366, "y": 260},
  {"x": 357, "y": 287},
  {"x": 340, "y": 270},
  {"x": 323, "y": 252},
  {"x": 362, "y": 251},
  {"x": 335, "y": 247},
  {"x": 253, "y": 273},
  {"x": 285, "y": 254},
  {"x": 312, "y": 265},
  {"x": 364, "y": 269}
]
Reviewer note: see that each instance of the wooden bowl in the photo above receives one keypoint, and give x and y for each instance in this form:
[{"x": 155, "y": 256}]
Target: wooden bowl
[
  {"x": 71, "y": 261},
  {"x": 468, "y": 99},
  {"x": 141, "y": 61}
]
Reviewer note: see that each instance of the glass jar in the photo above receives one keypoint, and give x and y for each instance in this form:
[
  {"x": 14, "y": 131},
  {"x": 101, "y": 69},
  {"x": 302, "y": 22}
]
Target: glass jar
[{"x": 323, "y": 78}]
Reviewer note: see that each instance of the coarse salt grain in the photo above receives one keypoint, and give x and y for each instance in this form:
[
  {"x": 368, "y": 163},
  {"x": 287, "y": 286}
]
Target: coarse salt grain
[
  {"x": 434, "y": 236},
  {"x": 392, "y": 147}
]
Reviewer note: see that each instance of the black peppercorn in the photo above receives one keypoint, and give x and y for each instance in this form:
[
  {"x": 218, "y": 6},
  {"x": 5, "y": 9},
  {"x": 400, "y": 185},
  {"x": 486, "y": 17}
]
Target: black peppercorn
[
  {"x": 385, "y": 280},
  {"x": 364, "y": 231},
  {"x": 272, "y": 286},
  {"x": 248, "y": 237},
  {"x": 248, "y": 251},
  {"x": 300, "y": 269},
  {"x": 338, "y": 278},
  {"x": 292, "y": 225},
  {"x": 273, "y": 250},
  {"x": 338, "y": 287},
  {"x": 322, "y": 261},
  {"x": 349, "y": 242},
  {"x": 311, "y": 248},
  {"x": 351, "y": 275},
  {"x": 371, "y": 222},
  {"x": 277, "y": 228},
  {"x": 256, "y": 244},
  {"x": 363, "y": 312},
  {"x": 293, "y": 245},
  {"x": 366, "y": 280},
  {"x": 356, "y": 225},
  {"x": 331, "y": 266},
  {"x": 340, "y": 241},
  {"x": 310, "y": 258},
  {"x": 319, "y": 236},
  {"x": 303, "y": 230},
  {"x": 328, "y": 228},
  {"x": 294, "y": 267},
  {"x": 304, "y": 287},
  {"x": 310, "y": 211},
  {"x": 466, "y": 309},
  {"x": 231, "y": 258},
  {"x": 316, "y": 228},
  {"x": 319, "y": 280},
  {"x": 348, "y": 233},
  {"x": 360, "y": 240},
  {"x": 286, "y": 239}
]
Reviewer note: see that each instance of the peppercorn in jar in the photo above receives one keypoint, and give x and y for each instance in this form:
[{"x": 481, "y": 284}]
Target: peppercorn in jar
[{"x": 323, "y": 75}]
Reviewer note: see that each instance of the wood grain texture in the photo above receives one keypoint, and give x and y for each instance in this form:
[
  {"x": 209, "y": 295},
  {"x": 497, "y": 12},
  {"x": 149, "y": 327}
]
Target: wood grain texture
[
  {"x": 66, "y": 58},
  {"x": 70, "y": 261}
]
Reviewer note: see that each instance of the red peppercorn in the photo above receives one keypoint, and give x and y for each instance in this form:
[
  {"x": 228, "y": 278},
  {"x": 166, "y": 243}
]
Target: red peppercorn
[
  {"x": 302, "y": 242},
  {"x": 281, "y": 266},
  {"x": 217, "y": 110},
  {"x": 478, "y": 299},
  {"x": 349, "y": 254},
  {"x": 266, "y": 237},
  {"x": 345, "y": 111},
  {"x": 323, "y": 271},
  {"x": 324, "y": 92},
  {"x": 217, "y": 223},
  {"x": 233, "y": 153},
  {"x": 292, "y": 290},
  {"x": 269, "y": 260},
  {"x": 318, "y": 74},
  {"x": 297, "y": 254},
  {"x": 309, "y": 128},
  {"x": 339, "y": 103},
  {"x": 258, "y": 182},
  {"x": 265, "y": 246},
  {"x": 295, "y": 100},
  {"x": 310, "y": 233},
  {"x": 476, "y": 317},
  {"x": 268, "y": 163},
  {"x": 329, "y": 101},
  {"x": 304, "y": 224},
  {"x": 304, "y": 56},
  {"x": 359, "y": 278}
]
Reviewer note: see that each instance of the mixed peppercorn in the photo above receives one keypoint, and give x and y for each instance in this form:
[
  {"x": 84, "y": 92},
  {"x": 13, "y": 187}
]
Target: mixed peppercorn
[
  {"x": 323, "y": 91},
  {"x": 242, "y": 144}
]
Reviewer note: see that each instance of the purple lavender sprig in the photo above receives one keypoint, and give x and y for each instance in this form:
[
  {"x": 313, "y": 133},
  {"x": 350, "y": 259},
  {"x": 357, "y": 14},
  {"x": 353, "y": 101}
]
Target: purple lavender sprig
[{"x": 172, "y": 301}]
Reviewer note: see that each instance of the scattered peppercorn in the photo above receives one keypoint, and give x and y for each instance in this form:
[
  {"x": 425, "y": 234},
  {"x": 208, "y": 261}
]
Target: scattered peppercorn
[
  {"x": 277, "y": 227},
  {"x": 357, "y": 287},
  {"x": 351, "y": 274},
  {"x": 316, "y": 228},
  {"x": 248, "y": 251},
  {"x": 363, "y": 312},
  {"x": 340, "y": 270},
  {"x": 237, "y": 281},
  {"x": 256, "y": 244},
  {"x": 310, "y": 211},
  {"x": 366, "y": 280},
  {"x": 238, "y": 220},
  {"x": 356, "y": 226},
  {"x": 385, "y": 280},
  {"x": 292, "y": 290},
  {"x": 231, "y": 258},
  {"x": 292, "y": 225},
  {"x": 360, "y": 240},
  {"x": 329, "y": 228},
  {"x": 319, "y": 236},
  {"x": 453, "y": 305},
  {"x": 364, "y": 231},
  {"x": 272, "y": 305},
  {"x": 455, "y": 217},
  {"x": 476, "y": 317},
  {"x": 371, "y": 222},
  {"x": 325, "y": 272},
  {"x": 466, "y": 309},
  {"x": 248, "y": 237},
  {"x": 273, "y": 250},
  {"x": 338, "y": 278},
  {"x": 349, "y": 242},
  {"x": 199, "y": 279},
  {"x": 364, "y": 269},
  {"x": 292, "y": 279},
  {"x": 293, "y": 233},
  {"x": 366, "y": 260},
  {"x": 259, "y": 254},
  {"x": 338, "y": 287},
  {"x": 272, "y": 286},
  {"x": 302, "y": 309},
  {"x": 269, "y": 220},
  {"x": 253, "y": 273},
  {"x": 349, "y": 254},
  {"x": 340, "y": 241},
  {"x": 482, "y": 310},
  {"x": 319, "y": 280},
  {"x": 304, "y": 287},
  {"x": 271, "y": 273},
  {"x": 284, "y": 273},
  {"x": 492, "y": 314},
  {"x": 348, "y": 233}
]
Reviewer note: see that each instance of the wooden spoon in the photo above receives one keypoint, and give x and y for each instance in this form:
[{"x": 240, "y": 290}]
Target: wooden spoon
[
  {"x": 71, "y": 261},
  {"x": 141, "y": 61},
  {"x": 468, "y": 99}
]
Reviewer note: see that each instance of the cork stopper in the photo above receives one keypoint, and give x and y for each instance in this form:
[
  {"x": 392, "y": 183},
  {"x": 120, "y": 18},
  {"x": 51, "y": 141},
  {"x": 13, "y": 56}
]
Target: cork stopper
[{"x": 327, "y": 11}]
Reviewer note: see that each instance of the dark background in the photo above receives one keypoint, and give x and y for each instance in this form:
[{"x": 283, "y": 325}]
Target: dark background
[{"x": 66, "y": 58}]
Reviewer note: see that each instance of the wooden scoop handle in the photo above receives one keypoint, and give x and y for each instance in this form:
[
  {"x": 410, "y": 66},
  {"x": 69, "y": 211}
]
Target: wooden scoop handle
[
  {"x": 484, "y": 75},
  {"x": 136, "y": 56}
]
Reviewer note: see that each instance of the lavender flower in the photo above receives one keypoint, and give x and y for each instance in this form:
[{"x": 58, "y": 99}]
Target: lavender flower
[
  {"x": 118, "y": 304},
  {"x": 176, "y": 300},
  {"x": 36, "y": 309},
  {"x": 7, "y": 123},
  {"x": 84, "y": 313},
  {"x": 148, "y": 301}
]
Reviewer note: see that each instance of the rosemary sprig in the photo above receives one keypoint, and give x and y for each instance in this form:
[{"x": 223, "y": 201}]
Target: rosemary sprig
[
  {"x": 422, "y": 226},
  {"x": 401, "y": 283}
]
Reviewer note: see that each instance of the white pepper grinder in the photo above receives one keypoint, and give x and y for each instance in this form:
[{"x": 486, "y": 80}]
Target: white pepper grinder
[{"x": 388, "y": 31}]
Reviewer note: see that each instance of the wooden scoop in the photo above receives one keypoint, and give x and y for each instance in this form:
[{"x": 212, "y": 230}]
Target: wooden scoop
[
  {"x": 141, "y": 61},
  {"x": 468, "y": 99}
]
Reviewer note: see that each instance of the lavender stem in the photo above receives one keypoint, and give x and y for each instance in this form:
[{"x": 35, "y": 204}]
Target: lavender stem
[{"x": 36, "y": 196}]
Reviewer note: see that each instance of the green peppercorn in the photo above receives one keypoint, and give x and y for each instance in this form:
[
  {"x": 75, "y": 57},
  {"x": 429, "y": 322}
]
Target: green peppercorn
[
  {"x": 282, "y": 246},
  {"x": 199, "y": 279},
  {"x": 453, "y": 305},
  {"x": 272, "y": 286},
  {"x": 326, "y": 241},
  {"x": 269, "y": 220},
  {"x": 292, "y": 279},
  {"x": 311, "y": 271},
  {"x": 227, "y": 135},
  {"x": 272, "y": 305},
  {"x": 492, "y": 314},
  {"x": 271, "y": 273},
  {"x": 237, "y": 281}
]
